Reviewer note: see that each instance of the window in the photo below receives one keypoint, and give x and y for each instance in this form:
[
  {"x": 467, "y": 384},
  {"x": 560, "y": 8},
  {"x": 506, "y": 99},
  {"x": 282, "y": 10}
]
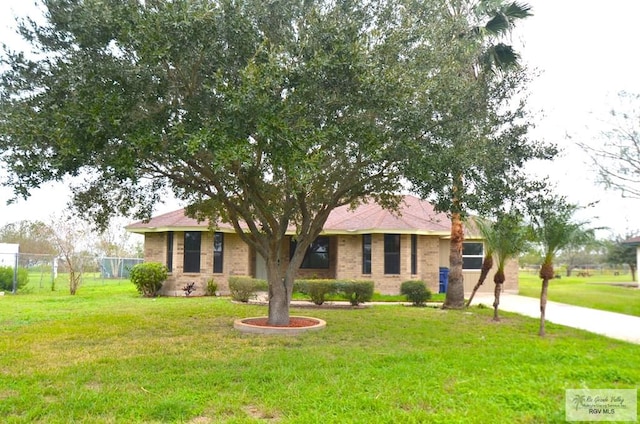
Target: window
[
  {"x": 170, "y": 251},
  {"x": 317, "y": 255},
  {"x": 472, "y": 255},
  {"x": 414, "y": 254},
  {"x": 218, "y": 252},
  {"x": 392, "y": 253},
  {"x": 366, "y": 253},
  {"x": 192, "y": 251}
]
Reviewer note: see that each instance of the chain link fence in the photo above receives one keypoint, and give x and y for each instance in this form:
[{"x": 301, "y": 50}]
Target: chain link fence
[{"x": 24, "y": 272}]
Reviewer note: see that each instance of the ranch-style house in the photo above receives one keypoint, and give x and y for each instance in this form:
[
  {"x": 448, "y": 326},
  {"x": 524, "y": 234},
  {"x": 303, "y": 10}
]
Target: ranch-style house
[{"x": 368, "y": 243}]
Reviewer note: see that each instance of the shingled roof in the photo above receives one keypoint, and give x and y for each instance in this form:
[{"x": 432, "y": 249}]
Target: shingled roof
[
  {"x": 632, "y": 240},
  {"x": 415, "y": 216}
]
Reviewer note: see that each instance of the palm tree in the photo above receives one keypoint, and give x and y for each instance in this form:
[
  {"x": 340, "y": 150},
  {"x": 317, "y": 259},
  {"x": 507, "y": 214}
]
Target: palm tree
[
  {"x": 486, "y": 229},
  {"x": 495, "y": 57},
  {"x": 511, "y": 239},
  {"x": 554, "y": 228},
  {"x": 505, "y": 238}
]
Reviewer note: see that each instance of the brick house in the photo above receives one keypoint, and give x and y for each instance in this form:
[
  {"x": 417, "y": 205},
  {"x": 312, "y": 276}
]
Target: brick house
[{"x": 368, "y": 243}]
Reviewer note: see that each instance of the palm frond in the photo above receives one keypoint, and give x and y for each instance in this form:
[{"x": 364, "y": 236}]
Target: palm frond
[
  {"x": 497, "y": 25},
  {"x": 518, "y": 11},
  {"x": 503, "y": 19},
  {"x": 499, "y": 57}
]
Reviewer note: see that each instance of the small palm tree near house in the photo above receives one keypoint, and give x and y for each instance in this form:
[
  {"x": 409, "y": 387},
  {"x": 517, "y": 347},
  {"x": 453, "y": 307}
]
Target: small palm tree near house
[
  {"x": 504, "y": 238},
  {"x": 554, "y": 227},
  {"x": 486, "y": 229}
]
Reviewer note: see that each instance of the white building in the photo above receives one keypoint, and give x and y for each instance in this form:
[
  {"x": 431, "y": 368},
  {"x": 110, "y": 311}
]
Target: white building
[{"x": 8, "y": 254}]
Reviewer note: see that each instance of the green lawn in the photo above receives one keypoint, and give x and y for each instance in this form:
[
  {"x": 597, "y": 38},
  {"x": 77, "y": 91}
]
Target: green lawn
[
  {"x": 596, "y": 291},
  {"x": 40, "y": 281},
  {"x": 109, "y": 356}
]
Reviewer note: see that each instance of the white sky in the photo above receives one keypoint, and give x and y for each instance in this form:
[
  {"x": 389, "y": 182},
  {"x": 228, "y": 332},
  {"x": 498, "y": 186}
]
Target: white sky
[{"x": 585, "y": 52}]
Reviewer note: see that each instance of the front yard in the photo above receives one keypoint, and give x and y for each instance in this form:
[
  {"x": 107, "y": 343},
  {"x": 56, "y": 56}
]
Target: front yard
[{"x": 107, "y": 355}]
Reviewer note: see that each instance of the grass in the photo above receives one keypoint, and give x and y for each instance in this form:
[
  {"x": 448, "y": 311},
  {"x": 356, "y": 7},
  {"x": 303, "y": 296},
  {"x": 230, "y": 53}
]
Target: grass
[
  {"x": 106, "y": 355},
  {"x": 596, "y": 291}
]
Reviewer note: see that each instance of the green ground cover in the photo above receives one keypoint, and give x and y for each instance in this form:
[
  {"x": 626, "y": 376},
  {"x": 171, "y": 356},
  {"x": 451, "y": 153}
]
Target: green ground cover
[
  {"x": 106, "y": 355},
  {"x": 603, "y": 291}
]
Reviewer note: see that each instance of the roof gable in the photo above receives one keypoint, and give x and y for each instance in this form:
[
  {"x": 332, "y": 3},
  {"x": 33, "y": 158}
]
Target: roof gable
[{"x": 414, "y": 216}]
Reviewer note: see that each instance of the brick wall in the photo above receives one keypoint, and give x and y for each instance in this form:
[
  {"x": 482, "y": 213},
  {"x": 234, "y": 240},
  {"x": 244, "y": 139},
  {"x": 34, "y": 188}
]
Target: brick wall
[
  {"x": 346, "y": 260},
  {"x": 350, "y": 261},
  {"x": 236, "y": 261}
]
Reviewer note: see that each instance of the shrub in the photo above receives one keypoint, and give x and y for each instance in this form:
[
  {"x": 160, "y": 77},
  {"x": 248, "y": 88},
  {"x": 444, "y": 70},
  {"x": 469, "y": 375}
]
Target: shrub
[
  {"x": 189, "y": 288},
  {"x": 356, "y": 292},
  {"x": 243, "y": 288},
  {"x": 212, "y": 288},
  {"x": 416, "y": 292},
  {"x": 148, "y": 277},
  {"x": 6, "y": 278},
  {"x": 317, "y": 290}
]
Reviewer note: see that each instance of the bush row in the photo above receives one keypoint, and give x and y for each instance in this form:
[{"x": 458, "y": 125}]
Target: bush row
[
  {"x": 355, "y": 291},
  {"x": 243, "y": 288},
  {"x": 148, "y": 278}
]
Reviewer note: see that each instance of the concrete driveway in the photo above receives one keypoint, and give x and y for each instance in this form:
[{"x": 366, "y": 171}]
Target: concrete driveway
[{"x": 610, "y": 324}]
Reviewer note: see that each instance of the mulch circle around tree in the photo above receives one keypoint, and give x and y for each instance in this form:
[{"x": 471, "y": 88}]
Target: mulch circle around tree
[{"x": 297, "y": 325}]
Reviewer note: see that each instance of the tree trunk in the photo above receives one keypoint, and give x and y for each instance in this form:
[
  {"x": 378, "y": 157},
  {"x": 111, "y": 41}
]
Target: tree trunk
[
  {"x": 543, "y": 305},
  {"x": 278, "y": 304},
  {"x": 455, "y": 288},
  {"x": 279, "y": 296},
  {"x": 632, "y": 268},
  {"x": 498, "y": 279},
  {"x": 546, "y": 273},
  {"x": 74, "y": 281},
  {"x": 486, "y": 267},
  {"x": 496, "y": 301}
]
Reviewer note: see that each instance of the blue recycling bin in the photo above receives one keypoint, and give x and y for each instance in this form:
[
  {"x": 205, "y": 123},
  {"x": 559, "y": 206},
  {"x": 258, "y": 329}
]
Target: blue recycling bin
[{"x": 444, "y": 279}]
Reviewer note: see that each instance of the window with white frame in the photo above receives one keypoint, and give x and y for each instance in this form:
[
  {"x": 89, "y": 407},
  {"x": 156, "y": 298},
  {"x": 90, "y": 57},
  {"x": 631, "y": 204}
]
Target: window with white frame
[{"x": 472, "y": 255}]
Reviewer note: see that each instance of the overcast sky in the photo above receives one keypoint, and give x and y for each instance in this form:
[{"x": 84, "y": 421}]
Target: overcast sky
[{"x": 584, "y": 53}]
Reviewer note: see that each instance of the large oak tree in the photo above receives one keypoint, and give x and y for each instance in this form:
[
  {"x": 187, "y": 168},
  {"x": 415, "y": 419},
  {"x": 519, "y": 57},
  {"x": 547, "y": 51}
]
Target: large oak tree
[{"x": 267, "y": 115}]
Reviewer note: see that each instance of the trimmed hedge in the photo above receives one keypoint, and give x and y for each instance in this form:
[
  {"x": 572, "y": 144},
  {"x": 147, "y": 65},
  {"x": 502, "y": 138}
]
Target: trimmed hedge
[
  {"x": 416, "y": 292},
  {"x": 356, "y": 291},
  {"x": 243, "y": 288},
  {"x": 317, "y": 290},
  {"x": 148, "y": 277}
]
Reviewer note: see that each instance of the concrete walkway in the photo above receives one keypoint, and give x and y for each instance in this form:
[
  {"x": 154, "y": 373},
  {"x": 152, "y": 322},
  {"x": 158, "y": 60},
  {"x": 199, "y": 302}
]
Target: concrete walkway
[{"x": 610, "y": 324}]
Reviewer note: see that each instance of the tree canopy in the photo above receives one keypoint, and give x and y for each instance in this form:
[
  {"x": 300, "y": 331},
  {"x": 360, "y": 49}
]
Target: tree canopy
[
  {"x": 32, "y": 236},
  {"x": 266, "y": 115},
  {"x": 473, "y": 139},
  {"x": 619, "y": 252}
]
